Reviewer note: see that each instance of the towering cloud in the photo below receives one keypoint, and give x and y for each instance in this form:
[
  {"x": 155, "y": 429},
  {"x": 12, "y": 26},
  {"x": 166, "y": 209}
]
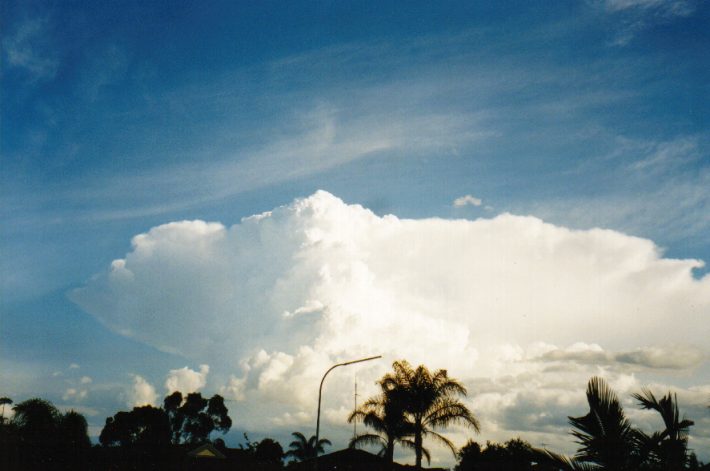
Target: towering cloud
[
  {"x": 142, "y": 393},
  {"x": 277, "y": 298}
]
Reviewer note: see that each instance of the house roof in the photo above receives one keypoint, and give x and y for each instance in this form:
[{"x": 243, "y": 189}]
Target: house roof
[{"x": 206, "y": 451}]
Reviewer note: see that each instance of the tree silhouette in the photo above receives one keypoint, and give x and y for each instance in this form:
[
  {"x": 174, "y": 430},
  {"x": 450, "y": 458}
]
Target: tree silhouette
[
  {"x": 605, "y": 433},
  {"x": 269, "y": 451},
  {"x": 47, "y": 439},
  {"x": 513, "y": 455},
  {"x": 73, "y": 437},
  {"x": 668, "y": 448},
  {"x": 302, "y": 449},
  {"x": 429, "y": 402},
  {"x": 146, "y": 425},
  {"x": 36, "y": 423},
  {"x": 193, "y": 419},
  {"x": 385, "y": 414}
]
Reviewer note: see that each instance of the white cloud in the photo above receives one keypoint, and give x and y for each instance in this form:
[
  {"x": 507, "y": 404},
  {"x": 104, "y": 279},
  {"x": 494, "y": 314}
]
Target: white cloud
[
  {"x": 270, "y": 303},
  {"x": 141, "y": 393},
  {"x": 234, "y": 389},
  {"x": 186, "y": 380},
  {"x": 466, "y": 201},
  {"x": 75, "y": 394}
]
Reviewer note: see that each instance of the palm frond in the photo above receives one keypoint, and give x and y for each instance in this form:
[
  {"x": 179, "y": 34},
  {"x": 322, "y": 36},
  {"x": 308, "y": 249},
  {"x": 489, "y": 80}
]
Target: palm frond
[
  {"x": 667, "y": 407},
  {"x": 448, "y": 443},
  {"x": 367, "y": 439},
  {"x": 605, "y": 434},
  {"x": 447, "y": 410},
  {"x": 409, "y": 444},
  {"x": 562, "y": 462}
]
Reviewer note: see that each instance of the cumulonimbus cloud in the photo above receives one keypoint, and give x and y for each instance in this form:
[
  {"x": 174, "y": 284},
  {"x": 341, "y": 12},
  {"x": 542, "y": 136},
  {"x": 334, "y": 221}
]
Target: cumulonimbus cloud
[{"x": 277, "y": 298}]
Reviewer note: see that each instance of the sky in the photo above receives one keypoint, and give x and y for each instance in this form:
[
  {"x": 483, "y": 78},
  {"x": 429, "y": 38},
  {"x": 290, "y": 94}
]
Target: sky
[{"x": 229, "y": 197}]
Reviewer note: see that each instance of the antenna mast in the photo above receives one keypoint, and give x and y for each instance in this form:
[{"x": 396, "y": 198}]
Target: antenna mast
[{"x": 355, "y": 421}]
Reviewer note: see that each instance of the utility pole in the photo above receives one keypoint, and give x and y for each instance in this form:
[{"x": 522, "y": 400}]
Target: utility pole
[
  {"x": 320, "y": 393},
  {"x": 355, "y": 408}
]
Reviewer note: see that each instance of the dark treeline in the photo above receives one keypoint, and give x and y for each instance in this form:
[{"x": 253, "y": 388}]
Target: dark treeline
[{"x": 412, "y": 408}]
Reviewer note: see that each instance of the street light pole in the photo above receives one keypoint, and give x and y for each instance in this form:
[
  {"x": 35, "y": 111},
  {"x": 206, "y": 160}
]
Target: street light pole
[{"x": 320, "y": 392}]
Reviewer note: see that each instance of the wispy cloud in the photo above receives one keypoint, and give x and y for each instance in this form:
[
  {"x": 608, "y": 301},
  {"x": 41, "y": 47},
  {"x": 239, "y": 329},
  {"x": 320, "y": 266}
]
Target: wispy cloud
[
  {"x": 29, "y": 49},
  {"x": 656, "y": 188},
  {"x": 324, "y": 138},
  {"x": 669, "y": 7},
  {"x": 635, "y": 16},
  {"x": 668, "y": 155}
]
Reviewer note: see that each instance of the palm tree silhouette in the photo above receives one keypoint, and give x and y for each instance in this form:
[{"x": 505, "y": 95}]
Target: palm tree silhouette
[
  {"x": 669, "y": 447},
  {"x": 386, "y": 416},
  {"x": 302, "y": 449},
  {"x": 429, "y": 402},
  {"x": 605, "y": 433}
]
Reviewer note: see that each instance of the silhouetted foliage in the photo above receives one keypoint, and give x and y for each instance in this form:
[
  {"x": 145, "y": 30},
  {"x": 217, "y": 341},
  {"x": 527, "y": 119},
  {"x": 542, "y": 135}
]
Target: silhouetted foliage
[
  {"x": 668, "y": 449},
  {"x": 429, "y": 403},
  {"x": 302, "y": 449},
  {"x": 146, "y": 426},
  {"x": 269, "y": 451},
  {"x": 9, "y": 446},
  {"x": 73, "y": 437},
  {"x": 605, "y": 433},
  {"x": 609, "y": 442},
  {"x": 147, "y": 437},
  {"x": 265, "y": 451},
  {"x": 36, "y": 422},
  {"x": 193, "y": 419},
  {"x": 385, "y": 414},
  {"x": 513, "y": 455},
  {"x": 40, "y": 437}
]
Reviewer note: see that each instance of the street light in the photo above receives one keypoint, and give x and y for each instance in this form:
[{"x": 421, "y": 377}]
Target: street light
[{"x": 320, "y": 391}]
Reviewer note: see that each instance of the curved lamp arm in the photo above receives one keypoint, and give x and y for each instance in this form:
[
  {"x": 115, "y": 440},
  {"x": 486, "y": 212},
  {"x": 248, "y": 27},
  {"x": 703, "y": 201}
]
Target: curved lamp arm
[{"x": 320, "y": 391}]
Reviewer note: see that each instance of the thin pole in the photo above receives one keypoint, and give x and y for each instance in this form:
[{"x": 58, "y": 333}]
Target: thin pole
[
  {"x": 320, "y": 393},
  {"x": 355, "y": 408}
]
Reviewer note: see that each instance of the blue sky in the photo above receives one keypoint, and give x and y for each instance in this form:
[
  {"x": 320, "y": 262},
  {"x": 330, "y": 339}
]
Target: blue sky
[{"x": 117, "y": 118}]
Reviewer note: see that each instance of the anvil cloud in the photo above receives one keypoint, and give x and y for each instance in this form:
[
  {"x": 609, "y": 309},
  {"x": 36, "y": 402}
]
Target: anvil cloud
[{"x": 276, "y": 298}]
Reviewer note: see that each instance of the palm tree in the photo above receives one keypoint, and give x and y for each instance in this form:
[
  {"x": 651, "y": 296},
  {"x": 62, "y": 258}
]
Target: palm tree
[
  {"x": 385, "y": 415},
  {"x": 605, "y": 433},
  {"x": 669, "y": 447},
  {"x": 429, "y": 402},
  {"x": 302, "y": 449}
]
